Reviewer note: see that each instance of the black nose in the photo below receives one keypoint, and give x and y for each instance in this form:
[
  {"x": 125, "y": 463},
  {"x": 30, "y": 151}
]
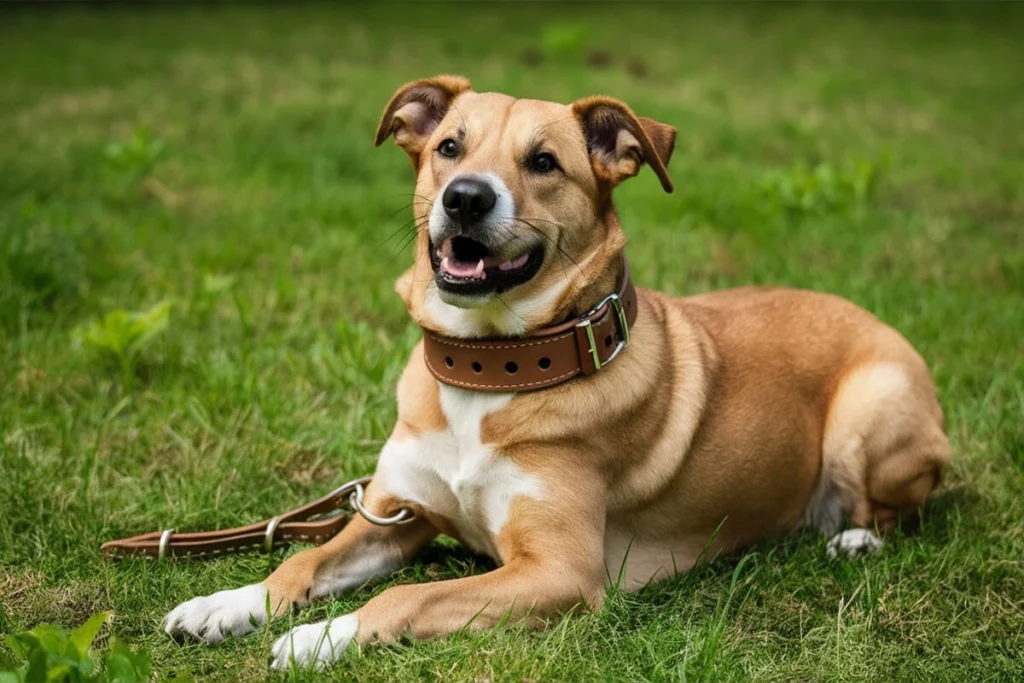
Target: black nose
[{"x": 467, "y": 200}]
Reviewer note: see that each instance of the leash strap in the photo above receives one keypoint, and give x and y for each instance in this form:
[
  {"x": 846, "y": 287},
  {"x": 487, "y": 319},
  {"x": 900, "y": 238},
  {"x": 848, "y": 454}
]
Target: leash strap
[{"x": 294, "y": 526}]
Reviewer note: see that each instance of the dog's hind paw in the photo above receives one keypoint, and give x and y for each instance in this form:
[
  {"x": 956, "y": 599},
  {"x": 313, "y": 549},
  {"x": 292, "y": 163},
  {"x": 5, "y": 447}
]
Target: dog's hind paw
[
  {"x": 212, "y": 617},
  {"x": 314, "y": 645},
  {"x": 853, "y": 542}
]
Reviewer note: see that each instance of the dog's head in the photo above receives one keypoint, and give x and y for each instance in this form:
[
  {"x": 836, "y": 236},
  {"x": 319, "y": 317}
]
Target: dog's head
[{"x": 513, "y": 202}]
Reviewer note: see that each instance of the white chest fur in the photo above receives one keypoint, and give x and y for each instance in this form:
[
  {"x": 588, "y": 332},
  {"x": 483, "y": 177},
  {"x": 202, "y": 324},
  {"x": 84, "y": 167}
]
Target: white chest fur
[{"x": 453, "y": 474}]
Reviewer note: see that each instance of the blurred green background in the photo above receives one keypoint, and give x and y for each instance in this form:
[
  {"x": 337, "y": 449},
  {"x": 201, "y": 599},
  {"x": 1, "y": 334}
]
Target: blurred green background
[{"x": 197, "y": 328}]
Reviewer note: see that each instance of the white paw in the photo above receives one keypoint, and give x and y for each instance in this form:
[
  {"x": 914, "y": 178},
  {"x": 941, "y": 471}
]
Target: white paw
[
  {"x": 853, "y": 542},
  {"x": 316, "y": 644},
  {"x": 213, "y": 617}
]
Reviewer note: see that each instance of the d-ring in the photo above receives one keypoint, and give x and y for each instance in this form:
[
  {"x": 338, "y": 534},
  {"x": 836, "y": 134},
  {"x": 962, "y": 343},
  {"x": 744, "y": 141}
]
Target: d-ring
[
  {"x": 401, "y": 517},
  {"x": 268, "y": 536},
  {"x": 165, "y": 543}
]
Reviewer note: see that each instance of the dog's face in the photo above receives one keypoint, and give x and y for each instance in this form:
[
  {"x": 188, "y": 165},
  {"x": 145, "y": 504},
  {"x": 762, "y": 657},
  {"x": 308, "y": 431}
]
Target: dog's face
[{"x": 513, "y": 196}]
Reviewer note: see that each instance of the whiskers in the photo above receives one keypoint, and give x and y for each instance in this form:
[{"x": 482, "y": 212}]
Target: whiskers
[{"x": 407, "y": 232}]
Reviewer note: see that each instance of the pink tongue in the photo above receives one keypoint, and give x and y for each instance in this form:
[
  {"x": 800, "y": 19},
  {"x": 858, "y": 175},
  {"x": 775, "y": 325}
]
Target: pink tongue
[
  {"x": 463, "y": 268},
  {"x": 474, "y": 269}
]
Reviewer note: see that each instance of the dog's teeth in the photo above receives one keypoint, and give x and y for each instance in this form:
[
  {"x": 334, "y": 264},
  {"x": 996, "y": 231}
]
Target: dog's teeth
[
  {"x": 444, "y": 263},
  {"x": 517, "y": 262},
  {"x": 479, "y": 269}
]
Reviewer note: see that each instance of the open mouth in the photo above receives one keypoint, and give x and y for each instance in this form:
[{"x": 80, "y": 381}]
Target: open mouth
[{"x": 466, "y": 266}]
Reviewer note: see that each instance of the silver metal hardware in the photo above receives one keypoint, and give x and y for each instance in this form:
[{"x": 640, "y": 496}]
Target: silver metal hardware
[
  {"x": 165, "y": 541},
  {"x": 268, "y": 536},
  {"x": 401, "y": 517},
  {"x": 620, "y": 313}
]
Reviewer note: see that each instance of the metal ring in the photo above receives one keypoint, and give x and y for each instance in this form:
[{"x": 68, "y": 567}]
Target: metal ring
[
  {"x": 346, "y": 487},
  {"x": 401, "y": 517},
  {"x": 268, "y": 535},
  {"x": 165, "y": 543}
]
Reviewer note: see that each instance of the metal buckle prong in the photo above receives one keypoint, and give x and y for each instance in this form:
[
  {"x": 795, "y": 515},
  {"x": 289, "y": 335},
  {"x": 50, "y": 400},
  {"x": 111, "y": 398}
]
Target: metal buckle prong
[
  {"x": 590, "y": 342},
  {"x": 620, "y": 313},
  {"x": 623, "y": 323}
]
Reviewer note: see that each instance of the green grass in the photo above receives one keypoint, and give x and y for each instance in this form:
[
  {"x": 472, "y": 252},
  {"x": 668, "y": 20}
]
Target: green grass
[{"x": 220, "y": 159}]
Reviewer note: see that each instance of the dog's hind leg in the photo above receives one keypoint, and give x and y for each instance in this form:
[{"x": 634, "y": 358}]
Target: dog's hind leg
[
  {"x": 361, "y": 552},
  {"x": 884, "y": 450}
]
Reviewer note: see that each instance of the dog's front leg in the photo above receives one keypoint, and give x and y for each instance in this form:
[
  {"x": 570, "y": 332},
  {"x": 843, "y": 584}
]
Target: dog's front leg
[
  {"x": 362, "y": 551},
  {"x": 553, "y": 556}
]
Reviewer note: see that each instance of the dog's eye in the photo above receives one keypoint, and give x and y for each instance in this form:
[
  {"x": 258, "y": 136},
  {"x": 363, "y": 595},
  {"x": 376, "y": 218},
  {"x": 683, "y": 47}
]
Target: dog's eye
[
  {"x": 543, "y": 163},
  {"x": 448, "y": 148}
]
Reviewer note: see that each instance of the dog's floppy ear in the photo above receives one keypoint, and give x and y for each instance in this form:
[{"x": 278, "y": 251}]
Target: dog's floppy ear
[
  {"x": 415, "y": 110},
  {"x": 619, "y": 141}
]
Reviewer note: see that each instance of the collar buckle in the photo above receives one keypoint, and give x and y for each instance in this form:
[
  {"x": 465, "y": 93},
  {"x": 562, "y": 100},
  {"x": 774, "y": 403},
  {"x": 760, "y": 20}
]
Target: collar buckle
[{"x": 588, "y": 327}]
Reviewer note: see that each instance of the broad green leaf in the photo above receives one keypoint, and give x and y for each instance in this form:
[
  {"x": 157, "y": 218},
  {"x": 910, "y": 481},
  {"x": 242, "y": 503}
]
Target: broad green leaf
[
  {"x": 37, "y": 665},
  {"x": 84, "y": 635},
  {"x": 61, "y": 672},
  {"x": 18, "y": 644},
  {"x": 124, "y": 664}
]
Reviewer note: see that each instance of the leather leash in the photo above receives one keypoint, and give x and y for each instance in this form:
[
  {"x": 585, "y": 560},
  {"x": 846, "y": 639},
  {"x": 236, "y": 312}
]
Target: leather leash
[
  {"x": 543, "y": 358},
  {"x": 293, "y": 526}
]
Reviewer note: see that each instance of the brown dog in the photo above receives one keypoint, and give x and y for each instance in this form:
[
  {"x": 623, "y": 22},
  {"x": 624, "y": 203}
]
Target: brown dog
[{"x": 727, "y": 417}]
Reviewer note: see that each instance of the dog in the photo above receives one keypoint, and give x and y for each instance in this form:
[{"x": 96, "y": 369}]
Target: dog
[{"x": 700, "y": 425}]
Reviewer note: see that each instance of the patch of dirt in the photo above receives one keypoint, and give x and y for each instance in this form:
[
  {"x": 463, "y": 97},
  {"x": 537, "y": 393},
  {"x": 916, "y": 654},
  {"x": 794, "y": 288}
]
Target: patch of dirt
[{"x": 31, "y": 599}]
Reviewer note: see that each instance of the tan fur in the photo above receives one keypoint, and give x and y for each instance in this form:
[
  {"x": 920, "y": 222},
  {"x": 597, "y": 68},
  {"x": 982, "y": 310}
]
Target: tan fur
[
  {"x": 290, "y": 585},
  {"x": 727, "y": 418}
]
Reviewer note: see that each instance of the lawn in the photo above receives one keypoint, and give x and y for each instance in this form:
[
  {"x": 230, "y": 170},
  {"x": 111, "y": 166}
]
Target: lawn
[{"x": 216, "y": 165}]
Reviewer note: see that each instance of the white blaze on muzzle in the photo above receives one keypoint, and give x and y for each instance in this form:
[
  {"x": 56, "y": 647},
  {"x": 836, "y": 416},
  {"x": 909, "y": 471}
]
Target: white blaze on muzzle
[{"x": 503, "y": 213}]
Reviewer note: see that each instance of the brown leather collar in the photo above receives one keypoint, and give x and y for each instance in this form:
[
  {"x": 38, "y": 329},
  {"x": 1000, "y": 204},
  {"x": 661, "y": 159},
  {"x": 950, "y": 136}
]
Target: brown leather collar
[{"x": 542, "y": 358}]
